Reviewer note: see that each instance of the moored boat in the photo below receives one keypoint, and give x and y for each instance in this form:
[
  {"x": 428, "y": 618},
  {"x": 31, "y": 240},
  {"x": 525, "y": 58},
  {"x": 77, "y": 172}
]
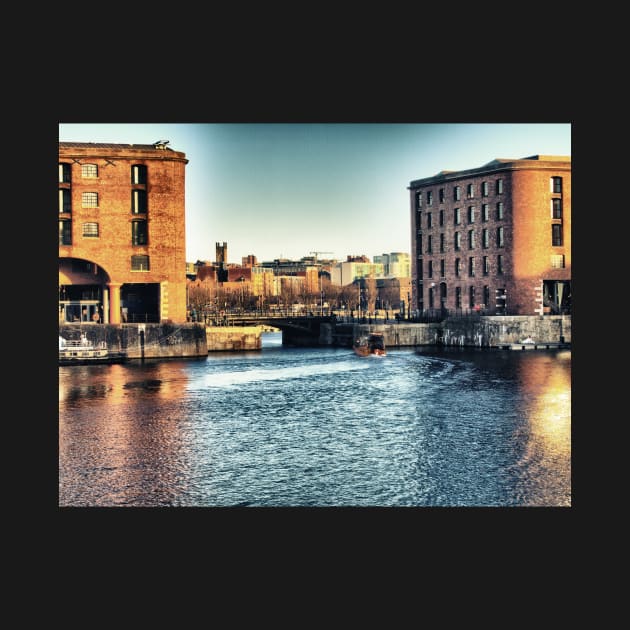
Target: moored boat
[
  {"x": 372, "y": 344},
  {"x": 81, "y": 351}
]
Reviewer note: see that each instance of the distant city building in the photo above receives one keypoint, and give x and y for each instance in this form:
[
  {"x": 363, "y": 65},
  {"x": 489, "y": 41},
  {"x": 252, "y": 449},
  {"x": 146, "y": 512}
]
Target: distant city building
[
  {"x": 122, "y": 248},
  {"x": 221, "y": 257},
  {"x": 355, "y": 267},
  {"x": 395, "y": 264},
  {"x": 496, "y": 238}
]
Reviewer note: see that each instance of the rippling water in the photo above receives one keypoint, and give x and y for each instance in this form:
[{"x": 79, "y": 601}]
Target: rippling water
[{"x": 319, "y": 427}]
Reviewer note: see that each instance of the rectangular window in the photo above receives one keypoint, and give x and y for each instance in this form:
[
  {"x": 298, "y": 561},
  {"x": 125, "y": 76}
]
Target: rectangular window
[
  {"x": 442, "y": 268},
  {"x": 458, "y": 241},
  {"x": 500, "y": 242},
  {"x": 441, "y": 219},
  {"x": 500, "y": 263},
  {"x": 139, "y": 233},
  {"x": 471, "y": 239},
  {"x": 458, "y": 297},
  {"x": 556, "y": 208},
  {"x": 419, "y": 200},
  {"x": 441, "y": 195},
  {"x": 499, "y": 211},
  {"x": 485, "y": 238},
  {"x": 420, "y": 269},
  {"x": 470, "y": 191},
  {"x": 65, "y": 200},
  {"x": 65, "y": 171},
  {"x": 139, "y": 263},
  {"x": 139, "y": 201},
  {"x": 485, "y": 212},
  {"x": 471, "y": 297},
  {"x": 458, "y": 266},
  {"x": 486, "y": 266},
  {"x": 419, "y": 242},
  {"x": 471, "y": 214},
  {"x": 89, "y": 171},
  {"x": 457, "y": 193},
  {"x": 484, "y": 189},
  {"x": 429, "y": 219},
  {"x": 430, "y": 245},
  {"x": 457, "y": 216},
  {"x": 138, "y": 174},
  {"x": 430, "y": 269},
  {"x": 557, "y": 261},
  {"x": 556, "y": 184},
  {"x": 499, "y": 186},
  {"x": 89, "y": 200},
  {"x": 90, "y": 230},
  {"x": 471, "y": 266},
  {"x": 429, "y": 197},
  {"x": 442, "y": 243},
  {"x": 556, "y": 234},
  {"x": 65, "y": 232}
]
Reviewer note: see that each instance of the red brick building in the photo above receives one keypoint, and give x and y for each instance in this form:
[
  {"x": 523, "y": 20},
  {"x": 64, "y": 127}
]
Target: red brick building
[
  {"x": 122, "y": 250},
  {"x": 494, "y": 239}
]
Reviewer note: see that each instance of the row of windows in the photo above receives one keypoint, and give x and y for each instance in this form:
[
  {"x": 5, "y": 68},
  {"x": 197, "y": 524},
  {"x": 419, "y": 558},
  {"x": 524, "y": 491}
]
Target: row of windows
[
  {"x": 485, "y": 267},
  {"x": 457, "y": 242},
  {"x": 139, "y": 232},
  {"x": 470, "y": 215},
  {"x": 472, "y": 298},
  {"x": 457, "y": 193},
  {"x": 90, "y": 171},
  {"x": 139, "y": 201}
]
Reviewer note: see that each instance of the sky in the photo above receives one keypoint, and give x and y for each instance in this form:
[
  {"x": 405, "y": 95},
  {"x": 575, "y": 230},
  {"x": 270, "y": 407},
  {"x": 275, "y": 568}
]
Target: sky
[{"x": 286, "y": 190}]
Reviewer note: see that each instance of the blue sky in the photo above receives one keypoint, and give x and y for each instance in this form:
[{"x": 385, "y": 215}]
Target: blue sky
[{"x": 285, "y": 190}]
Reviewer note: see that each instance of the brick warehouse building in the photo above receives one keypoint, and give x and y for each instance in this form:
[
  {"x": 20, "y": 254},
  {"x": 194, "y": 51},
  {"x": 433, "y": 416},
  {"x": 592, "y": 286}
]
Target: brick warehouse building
[
  {"x": 494, "y": 239},
  {"x": 121, "y": 233}
]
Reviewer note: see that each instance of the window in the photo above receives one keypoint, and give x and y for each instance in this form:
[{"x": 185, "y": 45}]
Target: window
[
  {"x": 442, "y": 243},
  {"x": 65, "y": 232},
  {"x": 441, "y": 195},
  {"x": 138, "y": 174},
  {"x": 430, "y": 245},
  {"x": 420, "y": 266},
  {"x": 500, "y": 211},
  {"x": 139, "y": 201},
  {"x": 89, "y": 171},
  {"x": 65, "y": 172},
  {"x": 500, "y": 241},
  {"x": 471, "y": 297},
  {"x": 486, "y": 295},
  {"x": 430, "y": 270},
  {"x": 441, "y": 219},
  {"x": 65, "y": 200},
  {"x": 484, "y": 189},
  {"x": 556, "y": 234},
  {"x": 499, "y": 186},
  {"x": 470, "y": 191},
  {"x": 458, "y": 266},
  {"x": 457, "y": 193},
  {"x": 485, "y": 238},
  {"x": 429, "y": 219},
  {"x": 139, "y": 233},
  {"x": 500, "y": 263},
  {"x": 556, "y": 208},
  {"x": 419, "y": 247},
  {"x": 442, "y": 268},
  {"x": 471, "y": 239},
  {"x": 471, "y": 214},
  {"x": 419, "y": 200},
  {"x": 458, "y": 297},
  {"x": 471, "y": 266},
  {"x": 557, "y": 261},
  {"x": 485, "y": 212},
  {"x": 90, "y": 230},
  {"x": 139, "y": 263},
  {"x": 429, "y": 197},
  {"x": 486, "y": 266},
  {"x": 556, "y": 184},
  {"x": 89, "y": 200},
  {"x": 458, "y": 241},
  {"x": 457, "y": 216}
]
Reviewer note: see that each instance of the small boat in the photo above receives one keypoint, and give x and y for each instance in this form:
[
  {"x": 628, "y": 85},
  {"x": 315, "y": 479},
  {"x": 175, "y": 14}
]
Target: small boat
[
  {"x": 82, "y": 351},
  {"x": 372, "y": 344}
]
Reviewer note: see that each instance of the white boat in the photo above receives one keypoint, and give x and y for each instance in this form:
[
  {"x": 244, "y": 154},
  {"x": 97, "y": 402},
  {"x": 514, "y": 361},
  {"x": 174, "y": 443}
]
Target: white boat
[{"x": 82, "y": 351}]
